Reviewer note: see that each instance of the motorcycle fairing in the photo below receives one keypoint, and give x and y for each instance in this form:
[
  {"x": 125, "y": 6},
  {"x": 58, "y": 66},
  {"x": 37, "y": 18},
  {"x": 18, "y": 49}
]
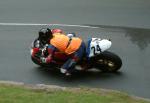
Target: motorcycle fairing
[{"x": 96, "y": 46}]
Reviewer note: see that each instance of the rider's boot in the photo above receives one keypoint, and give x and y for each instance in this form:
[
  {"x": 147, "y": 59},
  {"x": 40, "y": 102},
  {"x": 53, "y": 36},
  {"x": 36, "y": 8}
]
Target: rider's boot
[{"x": 64, "y": 71}]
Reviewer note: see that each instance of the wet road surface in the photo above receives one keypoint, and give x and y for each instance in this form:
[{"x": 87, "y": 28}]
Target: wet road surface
[
  {"x": 130, "y": 13},
  {"x": 132, "y": 45}
]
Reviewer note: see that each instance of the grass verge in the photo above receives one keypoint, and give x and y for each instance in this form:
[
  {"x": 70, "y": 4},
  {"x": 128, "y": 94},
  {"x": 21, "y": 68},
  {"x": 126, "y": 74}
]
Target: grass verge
[{"x": 12, "y": 93}]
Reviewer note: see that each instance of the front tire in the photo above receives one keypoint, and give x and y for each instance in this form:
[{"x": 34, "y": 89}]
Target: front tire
[
  {"x": 36, "y": 61},
  {"x": 108, "y": 62}
]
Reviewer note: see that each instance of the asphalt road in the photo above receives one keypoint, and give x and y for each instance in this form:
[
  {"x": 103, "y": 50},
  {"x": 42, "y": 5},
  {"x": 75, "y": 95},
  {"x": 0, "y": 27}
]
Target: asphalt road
[{"x": 131, "y": 44}]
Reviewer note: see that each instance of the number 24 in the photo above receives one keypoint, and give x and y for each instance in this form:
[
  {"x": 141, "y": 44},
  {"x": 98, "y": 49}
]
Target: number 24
[{"x": 96, "y": 49}]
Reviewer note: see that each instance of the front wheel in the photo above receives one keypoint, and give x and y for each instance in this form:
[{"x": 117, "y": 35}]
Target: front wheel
[{"x": 108, "y": 62}]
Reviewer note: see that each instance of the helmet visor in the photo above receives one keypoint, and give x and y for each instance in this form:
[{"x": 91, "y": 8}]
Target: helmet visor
[{"x": 43, "y": 37}]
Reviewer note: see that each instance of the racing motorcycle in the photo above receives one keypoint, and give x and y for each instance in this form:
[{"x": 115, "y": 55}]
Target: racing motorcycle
[{"x": 96, "y": 56}]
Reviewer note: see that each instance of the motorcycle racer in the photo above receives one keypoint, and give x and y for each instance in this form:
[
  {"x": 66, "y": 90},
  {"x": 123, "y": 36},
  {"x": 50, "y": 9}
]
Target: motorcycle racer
[
  {"x": 72, "y": 46},
  {"x": 75, "y": 50},
  {"x": 43, "y": 39},
  {"x": 55, "y": 49}
]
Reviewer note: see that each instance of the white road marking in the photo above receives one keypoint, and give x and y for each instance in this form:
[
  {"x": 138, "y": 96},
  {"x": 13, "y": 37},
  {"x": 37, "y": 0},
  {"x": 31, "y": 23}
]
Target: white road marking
[{"x": 34, "y": 24}]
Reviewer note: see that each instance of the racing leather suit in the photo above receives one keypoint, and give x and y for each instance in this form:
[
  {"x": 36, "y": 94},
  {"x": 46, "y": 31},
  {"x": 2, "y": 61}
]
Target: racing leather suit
[{"x": 74, "y": 47}]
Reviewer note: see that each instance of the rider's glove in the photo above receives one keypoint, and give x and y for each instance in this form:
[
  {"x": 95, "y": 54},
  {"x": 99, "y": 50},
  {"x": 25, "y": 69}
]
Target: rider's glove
[
  {"x": 43, "y": 60},
  {"x": 46, "y": 60}
]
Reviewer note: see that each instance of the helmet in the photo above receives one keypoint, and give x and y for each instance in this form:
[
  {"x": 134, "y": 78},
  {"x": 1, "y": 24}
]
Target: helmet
[
  {"x": 45, "y": 34},
  {"x": 57, "y": 31}
]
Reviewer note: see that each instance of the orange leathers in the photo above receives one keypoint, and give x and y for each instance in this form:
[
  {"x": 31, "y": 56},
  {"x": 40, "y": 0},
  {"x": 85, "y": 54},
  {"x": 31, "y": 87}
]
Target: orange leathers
[{"x": 61, "y": 42}]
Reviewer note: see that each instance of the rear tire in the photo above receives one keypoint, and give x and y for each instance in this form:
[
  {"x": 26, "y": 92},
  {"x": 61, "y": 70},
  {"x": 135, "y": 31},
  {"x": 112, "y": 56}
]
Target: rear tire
[{"x": 108, "y": 62}]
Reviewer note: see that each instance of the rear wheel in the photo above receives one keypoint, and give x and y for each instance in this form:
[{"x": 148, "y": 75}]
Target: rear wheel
[{"x": 108, "y": 62}]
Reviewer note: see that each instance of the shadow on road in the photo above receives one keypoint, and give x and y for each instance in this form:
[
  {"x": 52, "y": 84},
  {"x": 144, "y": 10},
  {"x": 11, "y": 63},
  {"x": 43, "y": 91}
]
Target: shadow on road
[{"x": 78, "y": 75}]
